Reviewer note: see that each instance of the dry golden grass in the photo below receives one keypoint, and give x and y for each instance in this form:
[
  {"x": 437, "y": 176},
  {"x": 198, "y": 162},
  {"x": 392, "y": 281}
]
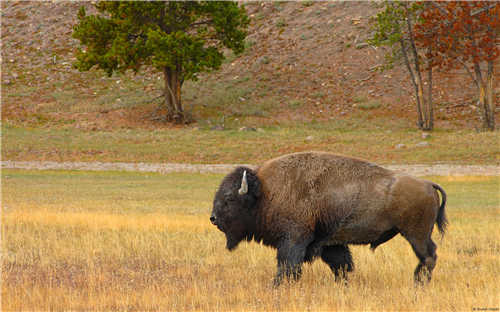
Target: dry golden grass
[{"x": 60, "y": 252}]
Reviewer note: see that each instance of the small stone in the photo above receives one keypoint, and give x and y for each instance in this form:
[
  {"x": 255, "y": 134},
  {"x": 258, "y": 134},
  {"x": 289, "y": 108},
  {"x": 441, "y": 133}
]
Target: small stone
[
  {"x": 309, "y": 138},
  {"x": 362, "y": 45},
  {"x": 247, "y": 129},
  {"x": 400, "y": 146},
  {"x": 425, "y": 135},
  {"x": 423, "y": 144},
  {"x": 263, "y": 60}
]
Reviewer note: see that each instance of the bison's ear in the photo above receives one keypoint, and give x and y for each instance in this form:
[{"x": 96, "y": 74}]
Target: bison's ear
[{"x": 254, "y": 188}]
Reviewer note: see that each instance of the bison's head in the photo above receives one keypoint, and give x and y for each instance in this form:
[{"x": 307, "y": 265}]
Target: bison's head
[{"x": 235, "y": 206}]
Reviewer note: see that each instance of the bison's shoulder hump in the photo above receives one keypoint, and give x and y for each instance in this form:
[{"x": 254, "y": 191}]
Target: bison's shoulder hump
[{"x": 320, "y": 162}]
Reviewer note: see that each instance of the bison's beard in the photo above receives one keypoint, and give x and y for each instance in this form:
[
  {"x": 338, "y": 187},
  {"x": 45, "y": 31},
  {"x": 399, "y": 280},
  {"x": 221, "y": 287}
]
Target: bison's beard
[
  {"x": 234, "y": 236},
  {"x": 231, "y": 242}
]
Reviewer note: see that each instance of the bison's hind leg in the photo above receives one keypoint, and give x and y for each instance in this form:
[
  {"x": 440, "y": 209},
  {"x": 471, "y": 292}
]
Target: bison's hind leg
[
  {"x": 426, "y": 254},
  {"x": 386, "y": 236},
  {"x": 339, "y": 259}
]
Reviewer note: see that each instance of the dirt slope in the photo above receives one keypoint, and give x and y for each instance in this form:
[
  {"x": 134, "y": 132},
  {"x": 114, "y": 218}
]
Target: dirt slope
[{"x": 310, "y": 56}]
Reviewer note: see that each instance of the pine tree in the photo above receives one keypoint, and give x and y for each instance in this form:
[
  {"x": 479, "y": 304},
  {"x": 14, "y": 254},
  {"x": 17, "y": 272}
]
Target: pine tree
[{"x": 179, "y": 39}]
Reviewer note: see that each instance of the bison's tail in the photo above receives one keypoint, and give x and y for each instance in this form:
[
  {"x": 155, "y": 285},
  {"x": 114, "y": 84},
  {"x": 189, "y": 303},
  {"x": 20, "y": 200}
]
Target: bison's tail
[{"x": 441, "y": 220}]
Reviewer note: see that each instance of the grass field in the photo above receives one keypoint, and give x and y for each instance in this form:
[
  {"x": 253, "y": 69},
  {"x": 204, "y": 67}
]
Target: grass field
[
  {"x": 112, "y": 241},
  {"x": 91, "y": 125},
  {"x": 359, "y": 136}
]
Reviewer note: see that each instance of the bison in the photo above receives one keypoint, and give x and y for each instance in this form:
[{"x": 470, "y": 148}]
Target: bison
[{"x": 314, "y": 204}]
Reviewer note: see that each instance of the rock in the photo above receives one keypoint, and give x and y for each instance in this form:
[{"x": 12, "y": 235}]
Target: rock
[
  {"x": 263, "y": 60},
  {"x": 362, "y": 45},
  {"x": 400, "y": 146},
  {"x": 422, "y": 144},
  {"x": 309, "y": 138},
  {"x": 217, "y": 128},
  {"x": 425, "y": 135},
  {"x": 247, "y": 129}
]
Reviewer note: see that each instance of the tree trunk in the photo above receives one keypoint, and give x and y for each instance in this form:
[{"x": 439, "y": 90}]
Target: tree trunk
[
  {"x": 483, "y": 106},
  {"x": 424, "y": 105},
  {"x": 425, "y": 109},
  {"x": 175, "y": 111},
  {"x": 414, "y": 81},
  {"x": 490, "y": 98},
  {"x": 486, "y": 103},
  {"x": 430, "y": 109},
  {"x": 169, "y": 100},
  {"x": 421, "y": 107}
]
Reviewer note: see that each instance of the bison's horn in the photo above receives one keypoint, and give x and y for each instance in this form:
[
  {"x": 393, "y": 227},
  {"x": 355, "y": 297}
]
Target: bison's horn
[{"x": 244, "y": 184}]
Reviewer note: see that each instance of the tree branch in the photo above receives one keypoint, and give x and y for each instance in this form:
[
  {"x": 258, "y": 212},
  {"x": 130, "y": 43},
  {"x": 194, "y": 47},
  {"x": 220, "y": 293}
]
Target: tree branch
[
  {"x": 434, "y": 4},
  {"x": 476, "y": 12},
  {"x": 206, "y": 22},
  {"x": 407, "y": 62},
  {"x": 468, "y": 71},
  {"x": 477, "y": 68},
  {"x": 133, "y": 37},
  {"x": 413, "y": 48}
]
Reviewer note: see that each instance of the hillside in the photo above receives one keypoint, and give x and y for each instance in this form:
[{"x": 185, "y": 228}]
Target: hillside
[{"x": 304, "y": 61}]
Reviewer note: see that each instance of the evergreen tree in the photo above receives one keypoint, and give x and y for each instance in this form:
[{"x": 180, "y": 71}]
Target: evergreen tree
[{"x": 179, "y": 39}]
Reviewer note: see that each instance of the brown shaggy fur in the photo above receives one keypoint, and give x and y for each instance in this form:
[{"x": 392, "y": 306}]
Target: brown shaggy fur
[{"x": 315, "y": 204}]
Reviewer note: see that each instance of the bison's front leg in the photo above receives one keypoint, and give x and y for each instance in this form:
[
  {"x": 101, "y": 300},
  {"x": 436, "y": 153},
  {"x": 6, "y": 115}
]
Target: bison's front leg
[{"x": 290, "y": 258}]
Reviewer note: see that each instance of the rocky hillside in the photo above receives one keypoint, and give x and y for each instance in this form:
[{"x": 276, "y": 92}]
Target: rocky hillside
[{"x": 309, "y": 59}]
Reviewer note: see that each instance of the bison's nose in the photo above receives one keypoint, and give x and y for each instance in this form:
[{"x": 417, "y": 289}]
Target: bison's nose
[{"x": 212, "y": 219}]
